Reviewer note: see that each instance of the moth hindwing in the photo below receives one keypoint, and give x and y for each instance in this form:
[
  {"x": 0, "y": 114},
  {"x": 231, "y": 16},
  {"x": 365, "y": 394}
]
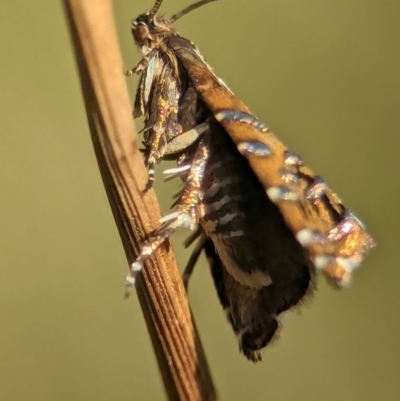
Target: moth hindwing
[{"x": 265, "y": 221}]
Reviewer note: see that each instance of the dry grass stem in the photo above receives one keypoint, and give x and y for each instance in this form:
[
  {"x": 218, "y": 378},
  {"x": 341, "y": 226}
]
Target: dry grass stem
[{"x": 162, "y": 297}]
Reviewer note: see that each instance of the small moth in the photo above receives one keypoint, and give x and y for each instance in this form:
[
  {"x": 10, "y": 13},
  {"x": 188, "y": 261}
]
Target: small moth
[{"x": 265, "y": 221}]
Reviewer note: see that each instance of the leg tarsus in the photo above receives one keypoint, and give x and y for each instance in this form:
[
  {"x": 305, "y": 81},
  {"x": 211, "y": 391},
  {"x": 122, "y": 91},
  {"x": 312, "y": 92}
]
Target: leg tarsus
[{"x": 170, "y": 224}]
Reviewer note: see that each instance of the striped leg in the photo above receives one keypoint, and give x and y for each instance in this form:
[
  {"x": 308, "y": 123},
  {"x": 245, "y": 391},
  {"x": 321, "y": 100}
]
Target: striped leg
[
  {"x": 175, "y": 145},
  {"x": 170, "y": 224},
  {"x": 186, "y": 215}
]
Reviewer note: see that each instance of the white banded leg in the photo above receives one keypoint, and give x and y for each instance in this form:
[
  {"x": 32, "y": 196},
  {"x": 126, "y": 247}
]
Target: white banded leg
[
  {"x": 155, "y": 156},
  {"x": 185, "y": 216},
  {"x": 170, "y": 224},
  {"x": 176, "y": 145},
  {"x": 151, "y": 164}
]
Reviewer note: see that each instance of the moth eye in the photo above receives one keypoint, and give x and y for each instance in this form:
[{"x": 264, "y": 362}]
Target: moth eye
[{"x": 139, "y": 32}]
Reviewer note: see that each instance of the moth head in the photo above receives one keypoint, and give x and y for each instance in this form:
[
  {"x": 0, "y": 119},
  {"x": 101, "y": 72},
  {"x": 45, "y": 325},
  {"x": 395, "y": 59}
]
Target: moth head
[
  {"x": 149, "y": 29},
  {"x": 140, "y": 30}
]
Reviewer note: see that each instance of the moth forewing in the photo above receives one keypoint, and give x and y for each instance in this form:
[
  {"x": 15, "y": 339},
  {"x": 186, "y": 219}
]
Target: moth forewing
[{"x": 312, "y": 215}]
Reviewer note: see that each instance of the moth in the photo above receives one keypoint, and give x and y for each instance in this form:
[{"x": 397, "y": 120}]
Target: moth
[{"x": 265, "y": 221}]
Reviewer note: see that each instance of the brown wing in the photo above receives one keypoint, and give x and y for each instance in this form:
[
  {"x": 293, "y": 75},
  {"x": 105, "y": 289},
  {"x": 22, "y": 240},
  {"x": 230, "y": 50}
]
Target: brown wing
[{"x": 335, "y": 238}]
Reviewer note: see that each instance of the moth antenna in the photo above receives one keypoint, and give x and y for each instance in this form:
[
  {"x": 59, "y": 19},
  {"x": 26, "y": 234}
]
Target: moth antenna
[
  {"x": 155, "y": 8},
  {"x": 188, "y": 9}
]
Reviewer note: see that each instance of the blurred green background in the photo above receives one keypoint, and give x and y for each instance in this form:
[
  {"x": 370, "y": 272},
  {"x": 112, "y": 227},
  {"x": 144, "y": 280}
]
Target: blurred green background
[{"x": 325, "y": 76}]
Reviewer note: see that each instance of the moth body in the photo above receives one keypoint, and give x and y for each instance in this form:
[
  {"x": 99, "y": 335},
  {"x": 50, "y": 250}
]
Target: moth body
[{"x": 264, "y": 220}]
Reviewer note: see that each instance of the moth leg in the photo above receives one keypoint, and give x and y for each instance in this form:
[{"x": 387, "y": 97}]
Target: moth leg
[
  {"x": 184, "y": 140},
  {"x": 176, "y": 145},
  {"x": 155, "y": 154},
  {"x": 150, "y": 164},
  {"x": 185, "y": 216},
  {"x": 141, "y": 65},
  {"x": 172, "y": 173},
  {"x": 170, "y": 224},
  {"x": 187, "y": 273}
]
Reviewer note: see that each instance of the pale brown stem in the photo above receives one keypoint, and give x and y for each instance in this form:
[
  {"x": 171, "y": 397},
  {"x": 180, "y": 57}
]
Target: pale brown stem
[{"x": 162, "y": 297}]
